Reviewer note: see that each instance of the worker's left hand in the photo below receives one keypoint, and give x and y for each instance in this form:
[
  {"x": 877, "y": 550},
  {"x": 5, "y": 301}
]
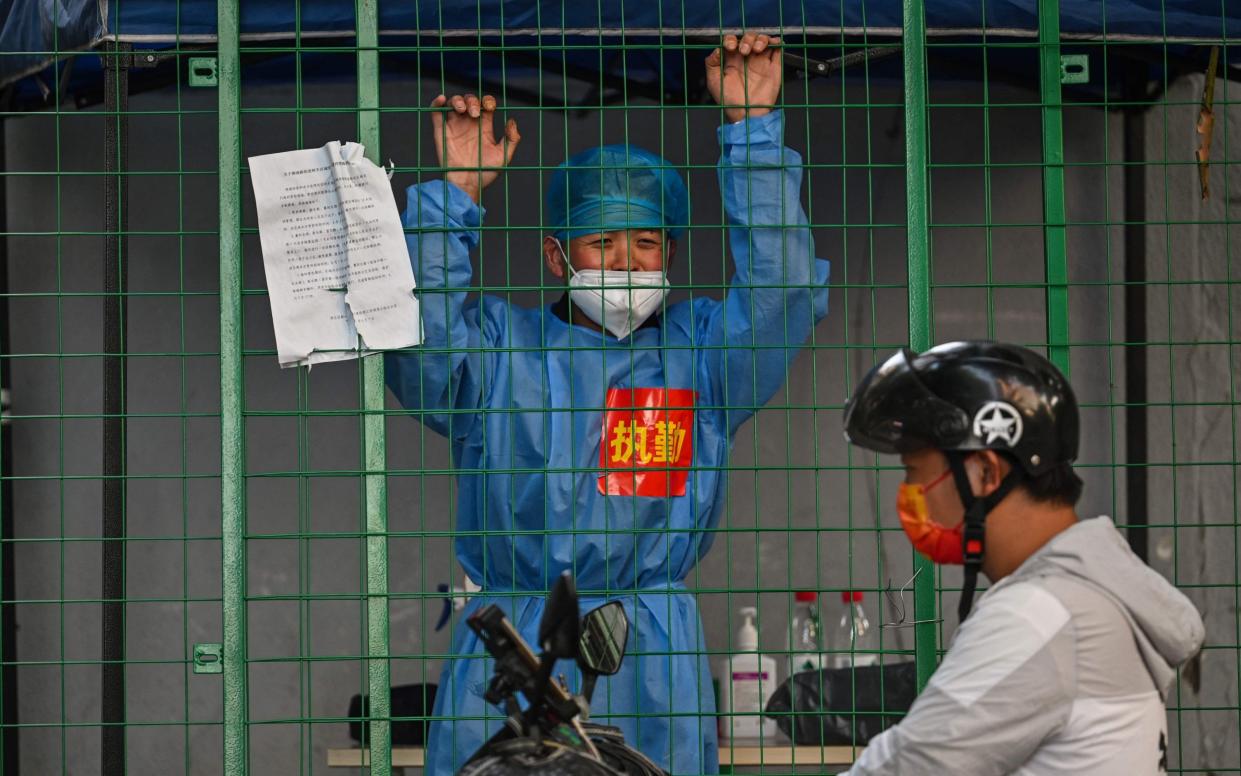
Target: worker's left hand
[{"x": 746, "y": 71}]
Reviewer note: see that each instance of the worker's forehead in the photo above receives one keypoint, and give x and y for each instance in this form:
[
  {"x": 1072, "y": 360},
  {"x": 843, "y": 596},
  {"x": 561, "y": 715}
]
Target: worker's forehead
[{"x": 617, "y": 234}]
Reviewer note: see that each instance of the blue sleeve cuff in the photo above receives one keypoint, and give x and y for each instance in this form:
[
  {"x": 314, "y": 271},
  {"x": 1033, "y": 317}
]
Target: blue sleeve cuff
[
  {"x": 768, "y": 128},
  {"x": 457, "y": 207},
  {"x": 462, "y": 209}
]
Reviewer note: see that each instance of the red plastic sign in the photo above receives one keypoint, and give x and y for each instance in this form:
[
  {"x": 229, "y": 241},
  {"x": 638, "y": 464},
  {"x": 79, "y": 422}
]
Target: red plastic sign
[{"x": 648, "y": 442}]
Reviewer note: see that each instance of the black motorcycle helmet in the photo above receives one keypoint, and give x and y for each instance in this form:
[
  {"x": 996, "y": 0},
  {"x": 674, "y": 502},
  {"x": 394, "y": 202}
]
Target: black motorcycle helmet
[
  {"x": 962, "y": 397},
  {"x": 974, "y": 395}
]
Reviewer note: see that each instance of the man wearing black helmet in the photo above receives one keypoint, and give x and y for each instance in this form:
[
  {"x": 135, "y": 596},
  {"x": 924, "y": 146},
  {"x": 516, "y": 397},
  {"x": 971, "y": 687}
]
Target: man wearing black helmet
[{"x": 1065, "y": 664}]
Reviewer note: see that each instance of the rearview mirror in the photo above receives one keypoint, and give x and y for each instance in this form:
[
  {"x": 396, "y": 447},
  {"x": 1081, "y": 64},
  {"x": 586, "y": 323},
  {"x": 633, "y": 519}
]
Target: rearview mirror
[
  {"x": 605, "y": 634},
  {"x": 560, "y": 629}
]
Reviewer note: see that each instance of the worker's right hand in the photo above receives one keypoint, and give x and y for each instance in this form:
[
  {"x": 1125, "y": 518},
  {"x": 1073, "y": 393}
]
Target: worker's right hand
[{"x": 465, "y": 142}]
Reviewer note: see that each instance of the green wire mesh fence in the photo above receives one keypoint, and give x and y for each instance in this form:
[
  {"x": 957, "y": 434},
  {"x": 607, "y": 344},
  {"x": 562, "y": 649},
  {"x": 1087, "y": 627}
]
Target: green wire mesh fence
[{"x": 206, "y": 554}]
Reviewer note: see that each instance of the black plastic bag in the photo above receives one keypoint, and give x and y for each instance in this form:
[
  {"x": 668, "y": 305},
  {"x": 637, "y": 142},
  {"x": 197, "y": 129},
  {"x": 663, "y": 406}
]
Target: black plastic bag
[
  {"x": 407, "y": 700},
  {"x": 820, "y": 708}
]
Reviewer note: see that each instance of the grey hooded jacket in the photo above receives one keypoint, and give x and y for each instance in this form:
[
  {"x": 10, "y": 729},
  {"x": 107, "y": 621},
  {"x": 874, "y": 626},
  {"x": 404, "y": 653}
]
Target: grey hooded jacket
[{"x": 1063, "y": 668}]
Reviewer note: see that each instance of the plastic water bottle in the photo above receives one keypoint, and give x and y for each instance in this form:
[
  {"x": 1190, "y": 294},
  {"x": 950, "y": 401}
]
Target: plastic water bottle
[
  {"x": 853, "y": 634},
  {"x": 805, "y": 641}
]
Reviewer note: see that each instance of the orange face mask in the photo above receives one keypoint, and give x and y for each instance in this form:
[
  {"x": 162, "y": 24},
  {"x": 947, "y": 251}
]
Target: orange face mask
[{"x": 940, "y": 544}]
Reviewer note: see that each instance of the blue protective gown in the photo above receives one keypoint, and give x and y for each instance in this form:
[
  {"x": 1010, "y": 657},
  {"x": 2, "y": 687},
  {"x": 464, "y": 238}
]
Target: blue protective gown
[{"x": 520, "y": 393}]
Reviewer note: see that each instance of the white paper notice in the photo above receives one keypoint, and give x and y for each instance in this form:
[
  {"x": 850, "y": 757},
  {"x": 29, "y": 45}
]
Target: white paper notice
[{"x": 335, "y": 256}]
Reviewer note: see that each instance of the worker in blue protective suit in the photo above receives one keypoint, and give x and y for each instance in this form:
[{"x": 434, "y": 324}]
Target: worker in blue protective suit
[{"x": 592, "y": 435}]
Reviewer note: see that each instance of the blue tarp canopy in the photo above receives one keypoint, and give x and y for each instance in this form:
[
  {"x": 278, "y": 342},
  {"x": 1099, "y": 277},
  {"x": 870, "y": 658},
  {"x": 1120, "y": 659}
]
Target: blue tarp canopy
[{"x": 35, "y": 27}]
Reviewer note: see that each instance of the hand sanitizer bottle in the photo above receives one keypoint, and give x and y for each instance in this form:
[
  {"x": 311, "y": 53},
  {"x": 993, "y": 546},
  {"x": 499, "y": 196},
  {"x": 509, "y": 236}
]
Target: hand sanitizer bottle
[{"x": 747, "y": 683}]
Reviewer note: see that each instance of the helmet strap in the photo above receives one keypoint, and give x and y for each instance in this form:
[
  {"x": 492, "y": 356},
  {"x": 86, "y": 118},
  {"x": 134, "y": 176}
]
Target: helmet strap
[{"x": 974, "y": 532}]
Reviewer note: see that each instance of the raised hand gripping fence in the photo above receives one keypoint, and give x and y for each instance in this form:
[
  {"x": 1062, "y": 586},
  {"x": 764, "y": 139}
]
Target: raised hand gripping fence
[{"x": 205, "y": 557}]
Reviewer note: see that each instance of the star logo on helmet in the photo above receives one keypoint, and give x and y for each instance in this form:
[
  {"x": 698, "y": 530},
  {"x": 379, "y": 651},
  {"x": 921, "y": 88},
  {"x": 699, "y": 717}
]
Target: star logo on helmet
[{"x": 998, "y": 420}]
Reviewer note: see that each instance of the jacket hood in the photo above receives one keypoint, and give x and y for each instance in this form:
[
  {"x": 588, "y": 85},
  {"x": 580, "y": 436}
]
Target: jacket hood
[{"x": 1167, "y": 626}]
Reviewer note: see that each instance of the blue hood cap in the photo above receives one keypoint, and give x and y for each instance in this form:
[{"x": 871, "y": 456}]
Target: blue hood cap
[{"x": 616, "y": 187}]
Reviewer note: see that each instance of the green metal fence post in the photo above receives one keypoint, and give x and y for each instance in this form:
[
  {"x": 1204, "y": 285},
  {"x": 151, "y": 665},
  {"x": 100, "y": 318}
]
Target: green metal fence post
[
  {"x": 917, "y": 199},
  {"x": 1054, "y": 238},
  {"x": 232, "y": 430},
  {"x": 9, "y": 740},
  {"x": 373, "y": 447},
  {"x": 112, "y": 735}
]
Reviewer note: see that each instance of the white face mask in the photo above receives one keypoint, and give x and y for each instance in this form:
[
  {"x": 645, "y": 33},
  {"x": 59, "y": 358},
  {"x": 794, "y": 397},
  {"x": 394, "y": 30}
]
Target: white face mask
[{"x": 617, "y": 300}]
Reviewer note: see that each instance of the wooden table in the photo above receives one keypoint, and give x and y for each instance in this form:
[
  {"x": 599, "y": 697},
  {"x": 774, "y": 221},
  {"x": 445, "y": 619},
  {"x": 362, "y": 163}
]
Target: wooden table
[
  {"x": 786, "y": 755},
  {"x": 355, "y": 757},
  {"x": 730, "y": 756}
]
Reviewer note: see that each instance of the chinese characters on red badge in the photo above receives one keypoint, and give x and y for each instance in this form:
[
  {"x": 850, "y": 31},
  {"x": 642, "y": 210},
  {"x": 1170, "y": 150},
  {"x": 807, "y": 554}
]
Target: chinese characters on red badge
[{"x": 648, "y": 442}]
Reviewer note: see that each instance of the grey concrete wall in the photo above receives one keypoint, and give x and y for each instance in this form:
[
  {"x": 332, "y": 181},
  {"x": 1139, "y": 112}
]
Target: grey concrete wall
[
  {"x": 1194, "y": 417},
  {"x": 304, "y": 559}
]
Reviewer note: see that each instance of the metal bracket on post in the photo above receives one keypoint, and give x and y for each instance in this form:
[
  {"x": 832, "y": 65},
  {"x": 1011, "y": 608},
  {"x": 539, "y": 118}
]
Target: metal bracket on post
[
  {"x": 145, "y": 59},
  {"x": 141, "y": 60},
  {"x": 203, "y": 71},
  {"x": 209, "y": 658},
  {"x": 1074, "y": 69}
]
